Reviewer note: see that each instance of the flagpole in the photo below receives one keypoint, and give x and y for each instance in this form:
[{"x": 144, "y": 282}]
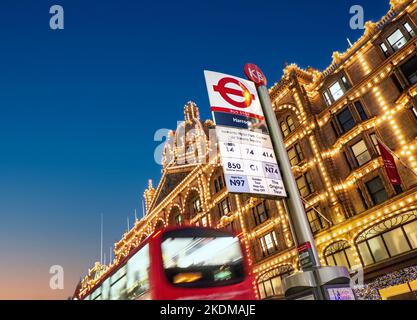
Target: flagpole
[{"x": 101, "y": 240}]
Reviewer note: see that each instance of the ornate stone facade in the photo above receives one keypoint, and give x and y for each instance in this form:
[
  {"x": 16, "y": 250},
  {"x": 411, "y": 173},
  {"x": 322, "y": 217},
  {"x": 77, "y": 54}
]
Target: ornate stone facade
[{"x": 331, "y": 121}]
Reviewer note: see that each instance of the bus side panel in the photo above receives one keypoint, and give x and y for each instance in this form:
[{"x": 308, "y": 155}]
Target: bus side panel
[{"x": 162, "y": 290}]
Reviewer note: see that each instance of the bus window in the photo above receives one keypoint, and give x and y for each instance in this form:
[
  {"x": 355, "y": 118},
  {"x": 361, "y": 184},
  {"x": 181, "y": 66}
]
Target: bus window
[
  {"x": 96, "y": 294},
  {"x": 105, "y": 290},
  {"x": 137, "y": 274},
  {"x": 118, "y": 284},
  {"x": 199, "y": 262}
]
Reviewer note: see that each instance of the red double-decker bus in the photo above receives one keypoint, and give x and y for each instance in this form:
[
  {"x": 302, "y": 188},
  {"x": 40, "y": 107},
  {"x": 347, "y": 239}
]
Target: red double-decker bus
[{"x": 180, "y": 263}]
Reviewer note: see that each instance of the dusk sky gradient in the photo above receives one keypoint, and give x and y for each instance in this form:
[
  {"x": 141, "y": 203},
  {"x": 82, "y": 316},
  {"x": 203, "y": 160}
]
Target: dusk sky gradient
[{"x": 79, "y": 109}]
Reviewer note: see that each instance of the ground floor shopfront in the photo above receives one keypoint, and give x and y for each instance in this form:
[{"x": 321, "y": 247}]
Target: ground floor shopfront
[{"x": 379, "y": 247}]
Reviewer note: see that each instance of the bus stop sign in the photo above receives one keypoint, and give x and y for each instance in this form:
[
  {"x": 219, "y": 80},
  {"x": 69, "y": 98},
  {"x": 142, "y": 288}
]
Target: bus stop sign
[{"x": 254, "y": 73}]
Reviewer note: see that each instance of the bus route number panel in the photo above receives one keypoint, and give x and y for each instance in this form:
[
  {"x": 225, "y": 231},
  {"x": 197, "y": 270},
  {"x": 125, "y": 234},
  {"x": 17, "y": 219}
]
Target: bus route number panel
[{"x": 249, "y": 162}]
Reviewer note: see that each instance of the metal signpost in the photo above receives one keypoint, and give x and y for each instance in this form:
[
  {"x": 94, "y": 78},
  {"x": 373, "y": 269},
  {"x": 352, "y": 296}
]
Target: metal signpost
[
  {"x": 253, "y": 156},
  {"x": 314, "y": 277}
]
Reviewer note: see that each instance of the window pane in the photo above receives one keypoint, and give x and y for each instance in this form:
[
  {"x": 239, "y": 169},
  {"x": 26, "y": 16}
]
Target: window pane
[
  {"x": 277, "y": 285},
  {"x": 330, "y": 261},
  {"x": 384, "y": 47},
  {"x": 351, "y": 257},
  {"x": 137, "y": 273},
  {"x": 327, "y": 98},
  {"x": 302, "y": 186},
  {"x": 292, "y": 154},
  {"x": 346, "y": 120},
  {"x": 268, "y": 288},
  {"x": 341, "y": 260},
  {"x": 284, "y": 129},
  {"x": 409, "y": 69},
  {"x": 365, "y": 254},
  {"x": 290, "y": 123},
  {"x": 361, "y": 153},
  {"x": 360, "y": 110},
  {"x": 299, "y": 152},
  {"x": 378, "y": 249},
  {"x": 345, "y": 83},
  {"x": 411, "y": 231},
  {"x": 409, "y": 29},
  {"x": 336, "y": 91},
  {"x": 377, "y": 190},
  {"x": 106, "y": 289},
  {"x": 397, "y": 40},
  {"x": 261, "y": 291},
  {"x": 396, "y": 242},
  {"x": 375, "y": 142}
]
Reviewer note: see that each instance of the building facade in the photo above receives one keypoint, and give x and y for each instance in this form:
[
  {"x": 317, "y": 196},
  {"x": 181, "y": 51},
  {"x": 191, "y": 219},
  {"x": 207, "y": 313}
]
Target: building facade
[{"x": 331, "y": 121}]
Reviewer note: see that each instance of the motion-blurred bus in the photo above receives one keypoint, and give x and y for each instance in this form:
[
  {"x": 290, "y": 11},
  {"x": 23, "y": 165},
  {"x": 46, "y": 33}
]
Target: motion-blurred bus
[{"x": 180, "y": 263}]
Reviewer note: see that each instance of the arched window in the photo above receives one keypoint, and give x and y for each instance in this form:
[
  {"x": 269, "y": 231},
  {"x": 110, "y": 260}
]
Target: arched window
[
  {"x": 284, "y": 129},
  {"x": 290, "y": 123},
  {"x": 270, "y": 283},
  {"x": 178, "y": 219},
  {"x": 388, "y": 238},
  {"x": 340, "y": 254},
  {"x": 175, "y": 217},
  {"x": 193, "y": 205}
]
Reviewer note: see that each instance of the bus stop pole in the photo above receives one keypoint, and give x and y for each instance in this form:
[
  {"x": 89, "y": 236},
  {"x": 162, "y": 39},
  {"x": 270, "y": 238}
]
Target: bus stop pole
[{"x": 298, "y": 219}]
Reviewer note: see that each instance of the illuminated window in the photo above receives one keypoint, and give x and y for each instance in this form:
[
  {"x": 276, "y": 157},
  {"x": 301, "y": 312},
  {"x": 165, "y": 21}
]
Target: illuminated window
[
  {"x": 346, "y": 120},
  {"x": 290, "y": 123},
  {"x": 219, "y": 184},
  {"x": 316, "y": 221},
  {"x": 284, "y": 129},
  {"x": 204, "y": 221},
  {"x": 361, "y": 153},
  {"x": 388, "y": 239},
  {"x": 295, "y": 154},
  {"x": 340, "y": 254},
  {"x": 327, "y": 98},
  {"x": 224, "y": 207},
  {"x": 178, "y": 219},
  {"x": 337, "y": 90},
  {"x": 260, "y": 213},
  {"x": 384, "y": 49},
  {"x": 269, "y": 243},
  {"x": 270, "y": 284},
  {"x": 305, "y": 185},
  {"x": 397, "y": 40},
  {"x": 414, "y": 110},
  {"x": 377, "y": 191},
  {"x": 375, "y": 143},
  {"x": 409, "y": 29},
  {"x": 287, "y": 126},
  {"x": 197, "y": 205}
]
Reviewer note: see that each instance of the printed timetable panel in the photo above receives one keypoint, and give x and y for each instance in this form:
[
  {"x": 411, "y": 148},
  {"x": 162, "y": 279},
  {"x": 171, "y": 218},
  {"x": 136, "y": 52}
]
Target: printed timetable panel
[{"x": 249, "y": 162}]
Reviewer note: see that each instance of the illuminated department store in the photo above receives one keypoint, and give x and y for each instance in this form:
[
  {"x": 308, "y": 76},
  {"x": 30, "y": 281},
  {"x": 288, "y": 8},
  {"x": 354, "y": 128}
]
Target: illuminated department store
[{"x": 331, "y": 121}]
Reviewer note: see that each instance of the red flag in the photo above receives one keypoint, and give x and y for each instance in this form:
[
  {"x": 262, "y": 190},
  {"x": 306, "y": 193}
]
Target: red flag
[{"x": 389, "y": 163}]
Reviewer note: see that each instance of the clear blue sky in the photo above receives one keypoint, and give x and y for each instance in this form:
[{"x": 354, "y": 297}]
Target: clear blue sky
[{"x": 79, "y": 108}]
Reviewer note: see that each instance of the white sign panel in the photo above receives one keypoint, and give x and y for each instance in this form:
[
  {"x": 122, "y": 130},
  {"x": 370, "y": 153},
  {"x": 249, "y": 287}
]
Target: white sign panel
[{"x": 246, "y": 151}]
